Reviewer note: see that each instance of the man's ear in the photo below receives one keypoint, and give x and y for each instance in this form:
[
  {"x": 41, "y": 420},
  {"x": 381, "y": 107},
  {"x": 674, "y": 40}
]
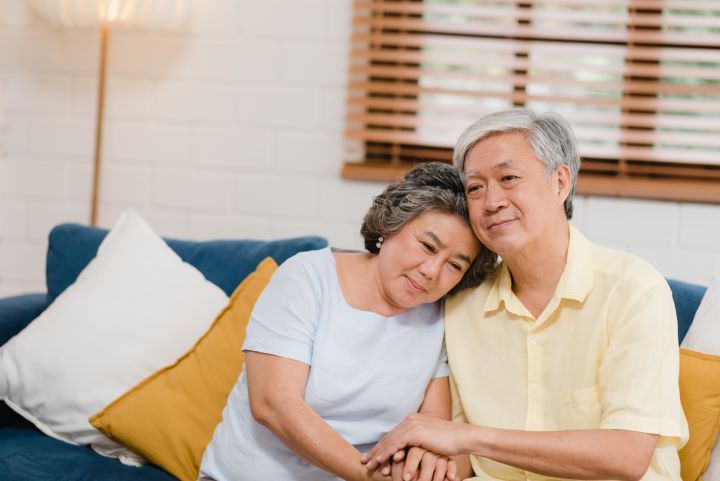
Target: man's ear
[{"x": 564, "y": 183}]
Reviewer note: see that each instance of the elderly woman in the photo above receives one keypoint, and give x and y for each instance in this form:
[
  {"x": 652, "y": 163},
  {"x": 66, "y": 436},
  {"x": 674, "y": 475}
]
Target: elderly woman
[{"x": 341, "y": 345}]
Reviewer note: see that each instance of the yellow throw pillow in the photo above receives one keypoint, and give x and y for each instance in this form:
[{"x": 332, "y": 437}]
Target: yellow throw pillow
[
  {"x": 700, "y": 396},
  {"x": 169, "y": 418}
]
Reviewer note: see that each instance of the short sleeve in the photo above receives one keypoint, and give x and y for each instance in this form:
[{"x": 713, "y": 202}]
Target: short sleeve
[
  {"x": 639, "y": 372},
  {"x": 442, "y": 369},
  {"x": 285, "y": 317}
]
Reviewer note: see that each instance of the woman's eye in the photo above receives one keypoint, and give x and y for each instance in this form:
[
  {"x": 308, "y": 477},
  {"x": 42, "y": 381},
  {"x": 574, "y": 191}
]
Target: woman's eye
[
  {"x": 455, "y": 266},
  {"x": 428, "y": 247}
]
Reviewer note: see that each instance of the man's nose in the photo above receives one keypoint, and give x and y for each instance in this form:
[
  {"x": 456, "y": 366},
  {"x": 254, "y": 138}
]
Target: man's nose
[{"x": 495, "y": 198}]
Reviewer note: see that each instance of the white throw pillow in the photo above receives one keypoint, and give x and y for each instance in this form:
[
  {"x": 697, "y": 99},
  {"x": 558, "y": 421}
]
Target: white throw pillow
[
  {"x": 134, "y": 309},
  {"x": 704, "y": 336},
  {"x": 704, "y": 333}
]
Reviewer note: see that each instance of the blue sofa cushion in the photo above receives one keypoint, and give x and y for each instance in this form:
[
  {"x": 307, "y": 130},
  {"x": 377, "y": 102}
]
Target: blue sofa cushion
[
  {"x": 687, "y": 299},
  {"x": 27, "y": 455},
  {"x": 225, "y": 262},
  {"x": 17, "y": 312}
]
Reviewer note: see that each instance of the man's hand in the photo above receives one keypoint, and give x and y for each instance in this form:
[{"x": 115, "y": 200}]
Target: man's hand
[
  {"x": 417, "y": 430},
  {"x": 572, "y": 454}
]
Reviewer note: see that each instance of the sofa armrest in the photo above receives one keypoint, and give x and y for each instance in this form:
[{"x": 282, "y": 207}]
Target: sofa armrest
[{"x": 17, "y": 312}]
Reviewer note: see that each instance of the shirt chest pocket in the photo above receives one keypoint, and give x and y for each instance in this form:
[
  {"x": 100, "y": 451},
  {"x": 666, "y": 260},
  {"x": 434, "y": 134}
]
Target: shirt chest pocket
[{"x": 581, "y": 409}]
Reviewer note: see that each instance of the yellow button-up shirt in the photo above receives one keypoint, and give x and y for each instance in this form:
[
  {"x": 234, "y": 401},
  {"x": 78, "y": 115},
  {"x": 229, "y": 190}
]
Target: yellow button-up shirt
[{"x": 602, "y": 355}]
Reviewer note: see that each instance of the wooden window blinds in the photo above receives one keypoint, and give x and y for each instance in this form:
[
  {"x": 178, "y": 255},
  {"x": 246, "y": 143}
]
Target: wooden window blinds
[{"x": 639, "y": 80}]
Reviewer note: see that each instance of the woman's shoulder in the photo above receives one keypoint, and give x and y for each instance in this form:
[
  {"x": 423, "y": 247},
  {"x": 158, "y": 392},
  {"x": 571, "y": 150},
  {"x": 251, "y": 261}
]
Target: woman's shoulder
[
  {"x": 309, "y": 265},
  {"x": 299, "y": 280},
  {"x": 310, "y": 257}
]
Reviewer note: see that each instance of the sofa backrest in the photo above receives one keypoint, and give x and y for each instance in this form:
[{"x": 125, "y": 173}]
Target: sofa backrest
[
  {"x": 223, "y": 262},
  {"x": 228, "y": 262},
  {"x": 687, "y": 299}
]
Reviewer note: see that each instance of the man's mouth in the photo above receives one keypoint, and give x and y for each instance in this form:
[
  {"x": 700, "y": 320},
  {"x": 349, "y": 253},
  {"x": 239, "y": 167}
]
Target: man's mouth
[{"x": 499, "y": 223}]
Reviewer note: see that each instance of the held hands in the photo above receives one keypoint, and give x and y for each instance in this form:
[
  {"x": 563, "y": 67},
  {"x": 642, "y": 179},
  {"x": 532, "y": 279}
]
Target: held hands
[
  {"x": 420, "y": 465},
  {"x": 433, "y": 435},
  {"x": 417, "y": 465}
]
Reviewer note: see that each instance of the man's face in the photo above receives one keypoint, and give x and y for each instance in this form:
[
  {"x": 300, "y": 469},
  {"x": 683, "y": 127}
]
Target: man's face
[{"x": 512, "y": 203}]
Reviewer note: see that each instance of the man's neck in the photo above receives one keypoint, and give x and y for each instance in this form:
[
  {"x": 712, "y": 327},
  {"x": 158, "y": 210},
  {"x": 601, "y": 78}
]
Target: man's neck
[{"x": 536, "y": 271}]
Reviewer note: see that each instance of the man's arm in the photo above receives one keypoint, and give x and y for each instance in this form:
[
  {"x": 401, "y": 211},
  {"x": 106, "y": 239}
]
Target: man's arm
[
  {"x": 591, "y": 454},
  {"x": 276, "y": 386},
  {"x": 577, "y": 454}
]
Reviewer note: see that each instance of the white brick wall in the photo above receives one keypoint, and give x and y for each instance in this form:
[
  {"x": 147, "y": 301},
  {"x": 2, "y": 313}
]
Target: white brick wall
[
  {"x": 231, "y": 128},
  {"x": 681, "y": 240}
]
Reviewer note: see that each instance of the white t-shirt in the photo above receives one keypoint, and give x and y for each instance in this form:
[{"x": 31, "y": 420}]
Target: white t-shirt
[{"x": 367, "y": 371}]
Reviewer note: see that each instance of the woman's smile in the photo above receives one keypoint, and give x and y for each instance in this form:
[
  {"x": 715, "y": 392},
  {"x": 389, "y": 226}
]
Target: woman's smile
[{"x": 414, "y": 285}]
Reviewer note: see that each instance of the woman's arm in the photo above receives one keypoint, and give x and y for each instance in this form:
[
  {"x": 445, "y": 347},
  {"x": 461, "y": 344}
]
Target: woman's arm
[
  {"x": 433, "y": 467},
  {"x": 464, "y": 468},
  {"x": 276, "y": 386},
  {"x": 436, "y": 402}
]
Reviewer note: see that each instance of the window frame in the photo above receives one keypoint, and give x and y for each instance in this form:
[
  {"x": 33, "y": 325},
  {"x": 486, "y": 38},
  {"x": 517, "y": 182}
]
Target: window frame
[{"x": 386, "y": 87}]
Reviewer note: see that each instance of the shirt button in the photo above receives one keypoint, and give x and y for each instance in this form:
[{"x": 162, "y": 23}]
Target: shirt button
[{"x": 534, "y": 388}]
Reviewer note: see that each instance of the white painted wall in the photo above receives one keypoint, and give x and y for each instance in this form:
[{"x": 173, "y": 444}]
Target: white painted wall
[{"x": 231, "y": 128}]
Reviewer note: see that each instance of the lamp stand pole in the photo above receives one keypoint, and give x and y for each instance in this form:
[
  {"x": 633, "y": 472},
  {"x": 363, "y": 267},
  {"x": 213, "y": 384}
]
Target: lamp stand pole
[{"x": 104, "y": 36}]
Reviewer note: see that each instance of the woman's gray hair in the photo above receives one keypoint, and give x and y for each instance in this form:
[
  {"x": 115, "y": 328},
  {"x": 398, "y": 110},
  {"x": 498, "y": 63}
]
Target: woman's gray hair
[
  {"x": 429, "y": 187},
  {"x": 549, "y": 134}
]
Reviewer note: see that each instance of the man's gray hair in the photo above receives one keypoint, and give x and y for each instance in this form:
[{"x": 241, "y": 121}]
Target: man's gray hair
[
  {"x": 429, "y": 187},
  {"x": 549, "y": 134}
]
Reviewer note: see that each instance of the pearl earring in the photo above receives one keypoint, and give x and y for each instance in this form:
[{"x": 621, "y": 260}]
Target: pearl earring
[{"x": 379, "y": 242}]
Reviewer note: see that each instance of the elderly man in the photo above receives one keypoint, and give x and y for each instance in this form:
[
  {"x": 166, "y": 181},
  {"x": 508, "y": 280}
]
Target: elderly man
[{"x": 564, "y": 364}]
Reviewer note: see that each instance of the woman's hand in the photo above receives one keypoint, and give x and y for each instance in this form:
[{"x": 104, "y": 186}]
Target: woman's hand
[
  {"x": 418, "y": 430},
  {"x": 432, "y": 467}
]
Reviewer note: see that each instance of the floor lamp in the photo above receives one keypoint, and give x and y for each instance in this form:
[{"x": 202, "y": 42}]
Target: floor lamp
[{"x": 152, "y": 14}]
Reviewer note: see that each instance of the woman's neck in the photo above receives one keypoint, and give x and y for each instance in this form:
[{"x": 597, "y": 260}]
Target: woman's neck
[{"x": 360, "y": 281}]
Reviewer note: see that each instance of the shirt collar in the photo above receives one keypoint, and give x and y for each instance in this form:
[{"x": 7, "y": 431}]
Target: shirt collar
[
  {"x": 575, "y": 282},
  {"x": 501, "y": 289},
  {"x": 577, "y": 278}
]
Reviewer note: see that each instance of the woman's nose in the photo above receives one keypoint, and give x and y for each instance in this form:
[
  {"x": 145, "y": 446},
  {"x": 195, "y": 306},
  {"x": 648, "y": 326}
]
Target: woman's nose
[{"x": 431, "y": 267}]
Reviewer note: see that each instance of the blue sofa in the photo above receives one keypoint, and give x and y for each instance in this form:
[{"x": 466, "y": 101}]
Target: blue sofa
[{"x": 26, "y": 454}]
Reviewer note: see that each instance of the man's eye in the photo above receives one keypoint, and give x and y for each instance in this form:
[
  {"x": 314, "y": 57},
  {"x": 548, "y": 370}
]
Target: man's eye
[
  {"x": 508, "y": 178},
  {"x": 472, "y": 188}
]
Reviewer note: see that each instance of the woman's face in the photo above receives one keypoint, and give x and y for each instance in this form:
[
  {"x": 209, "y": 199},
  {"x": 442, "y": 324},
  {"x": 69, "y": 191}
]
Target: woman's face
[{"x": 425, "y": 259}]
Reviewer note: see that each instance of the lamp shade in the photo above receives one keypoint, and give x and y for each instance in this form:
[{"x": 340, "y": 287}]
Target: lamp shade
[{"x": 150, "y": 14}]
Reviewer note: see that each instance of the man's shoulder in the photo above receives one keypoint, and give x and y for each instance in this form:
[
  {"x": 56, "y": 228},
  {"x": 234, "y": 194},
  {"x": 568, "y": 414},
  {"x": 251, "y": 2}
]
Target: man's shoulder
[
  {"x": 613, "y": 260},
  {"x": 624, "y": 268}
]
